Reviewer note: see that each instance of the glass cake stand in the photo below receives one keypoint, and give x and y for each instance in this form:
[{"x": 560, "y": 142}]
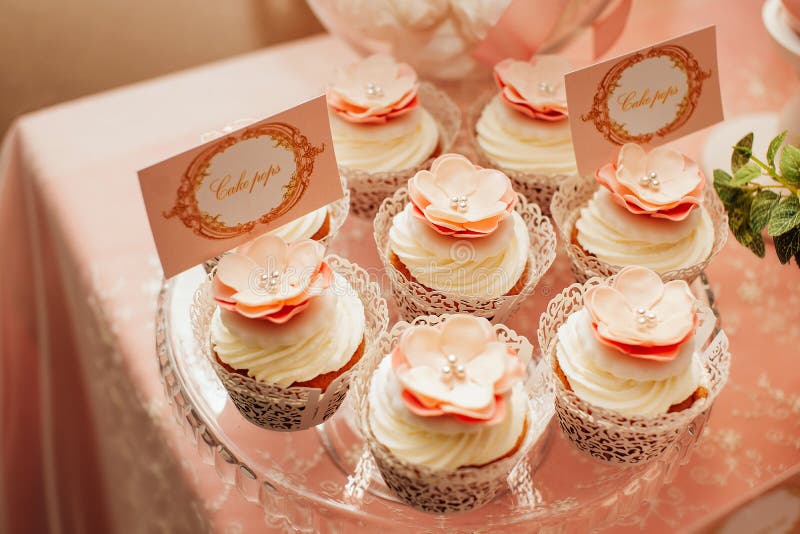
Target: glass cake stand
[{"x": 320, "y": 480}]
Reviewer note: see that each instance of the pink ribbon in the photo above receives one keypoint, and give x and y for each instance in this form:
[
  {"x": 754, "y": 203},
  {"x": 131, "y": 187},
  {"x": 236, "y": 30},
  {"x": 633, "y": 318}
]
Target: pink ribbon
[{"x": 527, "y": 24}]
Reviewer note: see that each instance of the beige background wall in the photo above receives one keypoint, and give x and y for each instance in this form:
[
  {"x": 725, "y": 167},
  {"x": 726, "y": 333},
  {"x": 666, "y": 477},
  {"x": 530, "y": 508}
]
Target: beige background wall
[{"x": 57, "y": 50}]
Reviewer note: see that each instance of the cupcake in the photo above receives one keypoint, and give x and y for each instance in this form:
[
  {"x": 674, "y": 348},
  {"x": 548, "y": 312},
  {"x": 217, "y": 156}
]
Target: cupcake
[
  {"x": 448, "y": 416},
  {"x": 268, "y": 306},
  {"x": 648, "y": 209},
  {"x": 524, "y": 129},
  {"x": 460, "y": 239},
  {"x": 385, "y": 126},
  {"x": 630, "y": 363}
]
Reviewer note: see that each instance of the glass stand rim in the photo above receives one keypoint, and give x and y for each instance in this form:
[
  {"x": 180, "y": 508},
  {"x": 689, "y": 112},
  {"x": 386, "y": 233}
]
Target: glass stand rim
[{"x": 298, "y": 478}]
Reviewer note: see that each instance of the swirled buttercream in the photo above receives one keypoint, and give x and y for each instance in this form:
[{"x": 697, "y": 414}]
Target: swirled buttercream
[
  {"x": 618, "y": 237},
  {"x": 402, "y": 143},
  {"x": 484, "y": 267},
  {"x": 440, "y": 442},
  {"x": 515, "y": 141},
  {"x": 608, "y": 378},
  {"x": 302, "y": 228},
  {"x": 309, "y": 345}
]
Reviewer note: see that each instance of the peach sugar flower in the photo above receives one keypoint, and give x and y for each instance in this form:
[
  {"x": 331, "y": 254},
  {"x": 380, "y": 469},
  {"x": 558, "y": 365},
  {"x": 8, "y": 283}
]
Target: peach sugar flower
[
  {"x": 663, "y": 184},
  {"x": 456, "y": 368},
  {"x": 535, "y": 87},
  {"x": 642, "y": 316},
  {"x": 460, "y": 199},
  {"x": 373, "y": 90},
  {"x": 269, "y": 279}
]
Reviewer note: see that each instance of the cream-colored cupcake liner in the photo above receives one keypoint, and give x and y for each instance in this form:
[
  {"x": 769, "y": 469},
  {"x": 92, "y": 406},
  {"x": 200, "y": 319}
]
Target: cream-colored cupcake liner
[
  {"x": 575, "y": 194},
  {"x": 368, "y": 189},
  {"x": 538, "y": 188},
  {"x": 288, "y": 409},
  {"x": 465, "y": 488},
  {"x": 413, "y": 298},
  {"x": 337, "y": 214},
  {"x": 609, "y": 435}
]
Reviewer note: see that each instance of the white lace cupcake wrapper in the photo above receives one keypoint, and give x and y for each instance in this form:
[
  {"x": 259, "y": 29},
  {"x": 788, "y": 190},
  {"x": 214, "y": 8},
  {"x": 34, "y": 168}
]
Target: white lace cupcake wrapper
[
  {"x": 574, "y": 193},
  {"x": 608, "y": 435},
  {"x": 443, "y": 492},
  {"x": 466, "y": 488},
  {"x": 337, "y": 214},
  {"x": 537, "y": 188},
  {"x": 368, "y": 189},
  {"x": 288, "y": 409},
  {"x": 414, "y": 299}
]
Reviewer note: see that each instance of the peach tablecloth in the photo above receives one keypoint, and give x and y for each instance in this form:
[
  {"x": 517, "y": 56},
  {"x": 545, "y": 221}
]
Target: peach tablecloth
[{"x": 88, "y": 440}]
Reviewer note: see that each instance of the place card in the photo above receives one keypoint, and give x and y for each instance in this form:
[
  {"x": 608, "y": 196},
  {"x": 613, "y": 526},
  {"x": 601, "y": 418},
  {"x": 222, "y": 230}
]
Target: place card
[
  {"x": 215, "y": 196},
  {"x": 649, "y": 97}
]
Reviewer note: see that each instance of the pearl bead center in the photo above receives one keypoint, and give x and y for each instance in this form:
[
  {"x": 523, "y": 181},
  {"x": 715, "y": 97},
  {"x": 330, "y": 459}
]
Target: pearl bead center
[
  {"x": 646, "y": 319},
  {"x": 546, "y": 88},
  {"x": 373, "y": 90},
  {"x": 453, "y": 368},
  {"x": 459, "y": 203},
  {"x": 650, "y": 180},
  {"x": 269, "y": 281}
]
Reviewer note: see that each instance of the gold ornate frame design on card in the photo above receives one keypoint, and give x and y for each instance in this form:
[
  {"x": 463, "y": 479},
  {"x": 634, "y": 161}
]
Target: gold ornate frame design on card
[
  {"x": 207, "y": 225},
  {"x": 616, "y": 132}
]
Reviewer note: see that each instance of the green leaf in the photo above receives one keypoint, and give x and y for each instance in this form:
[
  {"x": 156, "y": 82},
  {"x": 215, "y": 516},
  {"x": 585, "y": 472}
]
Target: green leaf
[
  {"x": 761, "y": 209},
  {"x": 752, "y": 240},
  {"x": 788, "y": 245},
  {"x": 730, "y": 196},
  {"x": 742, "y": 152},
  {"x": 790, "y": 164},
  {"x": 722, "y": 177},
  {"x": 746, "y": 174},
  {"x": 738, "y": 221},
  {"x": 756, "y": 244},
  {"x": 784, "y": 216},
  {"x": 736, "y": 218},
  {"x": 774, "y": 146}
]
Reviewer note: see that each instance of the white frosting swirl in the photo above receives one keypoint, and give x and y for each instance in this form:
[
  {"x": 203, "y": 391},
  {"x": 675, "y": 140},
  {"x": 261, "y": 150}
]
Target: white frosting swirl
[
  {"x": 302, "y": 228},
  {"x": 605, "y": 377},
  {"x": 308, "y": 345},
  {"x": 401, "y": 143},
  {"x": 619, "y": 237},
  {"x": 485, "y": 267},
  {"x": 521, "y": 143},
  {"x": 440, "y": 442}
]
